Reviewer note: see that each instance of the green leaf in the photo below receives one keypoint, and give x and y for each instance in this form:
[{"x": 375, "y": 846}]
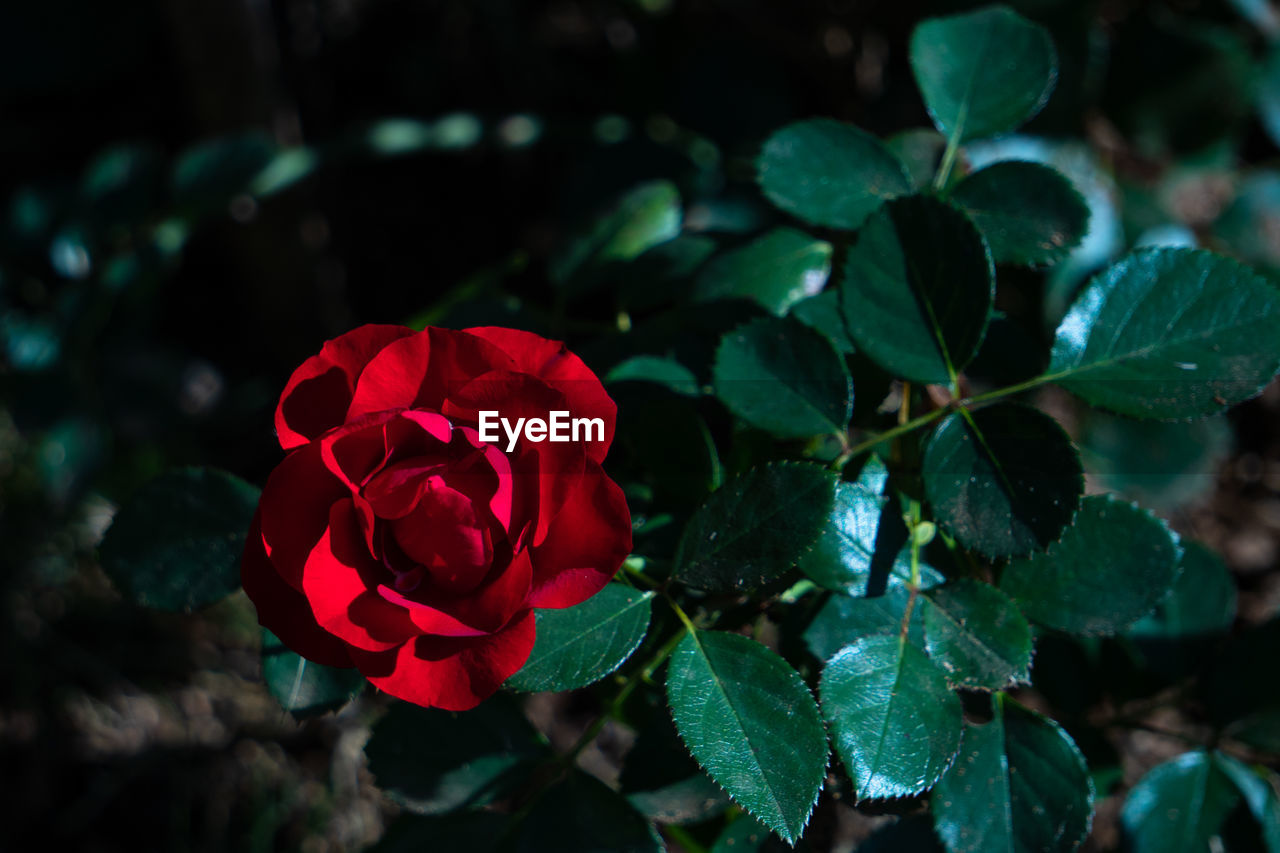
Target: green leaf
[
  {"x": 304, "y": 687},
  {"x": 1004, "y": 480},
  {"x": 784, "y": 377},
  {"x": 841, "y": 558},
  {"x": 977, "y": 635},
  {"x": 822, "y": 312},
  {"x": 1260, "y": 788},
  {"x": 1179, "y": 806},
  {"x": 579, "y": 645},
  {"x": 755, "y": 527},
  {"x": 177, "y": 543},
  {"x": 1028, "y": 213},
  {"x": 1019, "y": 785},
  {"x": 983, "y": 73},
  {"x": 845, "y": 619},
  {"x": 749, "y": 720},
  {"x": 1111, "y": 567},
  {"x": 666, "y": 372},
  {"x": 775, "y": 271},
  {"x": 583, "y": 815},
  {"x": 829, "y": 173},
  {"x": 895, "y": 722},
  {"x": 433, "y": 762},
  {"x": 641, "y": 219},
  {"x": 1169, "y": 333},
  {"x": 917, "y": 289}
]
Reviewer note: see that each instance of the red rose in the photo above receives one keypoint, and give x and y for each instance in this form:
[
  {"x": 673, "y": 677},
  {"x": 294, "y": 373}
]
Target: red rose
[{"x": 391, "y": 538}]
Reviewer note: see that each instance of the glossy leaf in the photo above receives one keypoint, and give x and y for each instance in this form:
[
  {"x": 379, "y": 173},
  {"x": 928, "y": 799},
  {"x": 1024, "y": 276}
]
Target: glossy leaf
[
  {"x": 775, "y": 271},
  {"x": 1004, "y": 480},
  {"x": 895, "y": 722},
  {"x": 304, "y": 687},
  {"x": 862, "y": 546},
  {"x": 843, "y": 619},
  {"x": 1028, "y": 213},
  {"x": 822, "y": 312},
  {"x": 750, "y": 721},
  {"x": 579, "y": 645},
  {"x": 1019, "y": 785},
  {"x": 1111, "y": 567},
  {"x": 829, "y": 173},
  {"x": 1169, "y": 333},
  {"x": 583, "y": 815},
  {"x": 755, "y": 527},
  {"x": 781, "y": 376},
  {"x": 1260, "y": 788},
  {"x": 841, "y": 558},
  {"x": 177, "y": 543},
  {"x": 646, "y": 216},
  {"x": 917, "y": 289},
  {"x": 983, "y": 73},
  {"x": 433, "y": 762},
  {"x": 976, "y": 635},
  {"x": 667, "y": 372},
  {"x": 1179, "y": 806}
]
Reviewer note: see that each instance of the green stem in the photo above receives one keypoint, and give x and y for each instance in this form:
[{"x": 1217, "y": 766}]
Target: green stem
[
  {"x": 941, "y": 179},
  {"x": 900, "y": 429},
  {"x": 929, "y": 417},
  {"x": 913, "y": 519},
  {"x": 1009, "y": 390}
]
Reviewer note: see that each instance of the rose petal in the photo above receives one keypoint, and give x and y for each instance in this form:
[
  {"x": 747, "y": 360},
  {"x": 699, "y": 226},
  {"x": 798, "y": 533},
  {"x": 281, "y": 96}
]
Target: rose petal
[
  {"x": 319, "y": 392},
  {"x": 452, "y": 673},
  {"x": 295, "y": 509},
  {"x": 552, "y": 362},
  {"x": 585, "y": 546},
  {"x": 419, "y": 371},
  {"x": 449, "y": 535},
  {"x": 283, "y": 610},
  {"x": 555, "y": 467},
  {"x": 340, "y": 583}
]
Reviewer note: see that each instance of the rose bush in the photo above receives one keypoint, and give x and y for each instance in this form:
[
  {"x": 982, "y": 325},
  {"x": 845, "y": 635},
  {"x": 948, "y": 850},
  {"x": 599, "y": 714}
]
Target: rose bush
[{"x": 392, "y": 539}]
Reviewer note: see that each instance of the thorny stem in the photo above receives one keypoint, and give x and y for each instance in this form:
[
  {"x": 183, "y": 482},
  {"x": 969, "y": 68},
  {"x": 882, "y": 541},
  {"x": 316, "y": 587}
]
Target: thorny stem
[{"x": 929, "y": 417}]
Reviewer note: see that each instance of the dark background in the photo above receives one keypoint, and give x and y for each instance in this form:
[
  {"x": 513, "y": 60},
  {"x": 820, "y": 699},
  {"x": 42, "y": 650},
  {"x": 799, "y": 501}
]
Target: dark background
[{"x": 151, "y": 307}]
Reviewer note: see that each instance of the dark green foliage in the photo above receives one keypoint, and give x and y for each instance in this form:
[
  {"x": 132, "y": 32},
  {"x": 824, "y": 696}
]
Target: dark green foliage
[
  {"x": 917, "y": 289},
  {"x": 176, "y": 544}
]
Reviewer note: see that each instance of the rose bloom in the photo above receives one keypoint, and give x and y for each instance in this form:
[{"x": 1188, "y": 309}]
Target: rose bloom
[{"x": 392, "y": 539}]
